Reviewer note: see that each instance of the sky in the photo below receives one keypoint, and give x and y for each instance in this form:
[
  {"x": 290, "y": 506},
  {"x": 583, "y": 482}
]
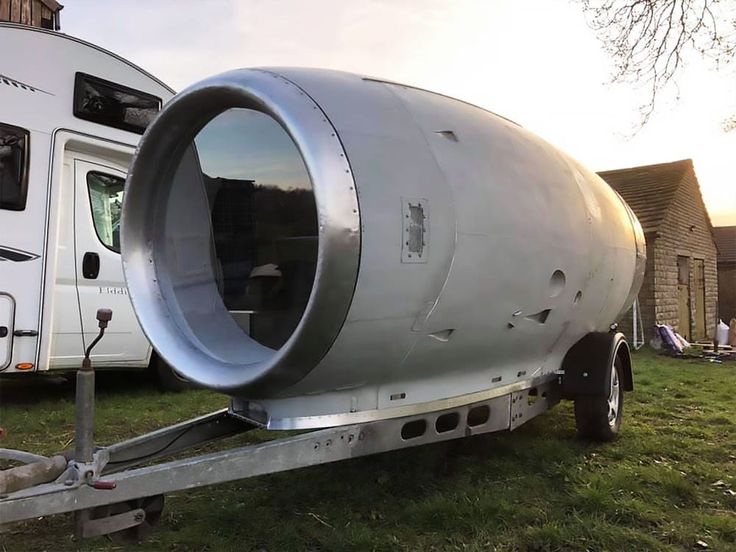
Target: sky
[
  {"x": 533, "y": 61},
  {"x": 245, "y": 144}
]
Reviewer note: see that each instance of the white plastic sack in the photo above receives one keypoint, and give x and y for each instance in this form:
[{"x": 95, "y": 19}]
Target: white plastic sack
[{"x": 722, "y": 333}]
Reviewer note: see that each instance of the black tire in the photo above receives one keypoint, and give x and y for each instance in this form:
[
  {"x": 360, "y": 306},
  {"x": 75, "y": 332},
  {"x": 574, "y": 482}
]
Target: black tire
[
  {"x": 167, "y": 378},
  {"x": 594, "y": 418}
]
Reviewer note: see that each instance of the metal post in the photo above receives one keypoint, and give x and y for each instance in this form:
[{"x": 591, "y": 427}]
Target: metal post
[
  {"x": 84, "y": 431},
  {"x": 85, "y": 411},
  {"x": 635, "y": 322}
]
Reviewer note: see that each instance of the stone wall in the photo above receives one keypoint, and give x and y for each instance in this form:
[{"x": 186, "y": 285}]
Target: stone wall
[
  {"x": 646, "y": 300},
  {"x": 727, "y": 291},
  {"x": 685, "y": 231}
]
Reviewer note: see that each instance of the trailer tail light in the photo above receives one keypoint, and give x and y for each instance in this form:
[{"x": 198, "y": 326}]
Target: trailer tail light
[{"x": 24, "y": 366}]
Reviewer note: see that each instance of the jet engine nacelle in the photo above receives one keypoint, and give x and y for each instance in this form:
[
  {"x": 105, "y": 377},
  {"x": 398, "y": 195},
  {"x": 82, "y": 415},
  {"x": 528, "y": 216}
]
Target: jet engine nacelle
[{"x": 326, "y": 247}]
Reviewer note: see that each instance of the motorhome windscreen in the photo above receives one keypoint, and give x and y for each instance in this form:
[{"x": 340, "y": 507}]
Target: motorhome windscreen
[
  {"x": 112, "y": 104},
  {"x": 261, "y": 218},
  {"x": 14, "y": 153}
]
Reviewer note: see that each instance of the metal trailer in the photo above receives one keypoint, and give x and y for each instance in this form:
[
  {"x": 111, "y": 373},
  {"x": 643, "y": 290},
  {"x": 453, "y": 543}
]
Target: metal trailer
[{"x": 111, "y": 495}]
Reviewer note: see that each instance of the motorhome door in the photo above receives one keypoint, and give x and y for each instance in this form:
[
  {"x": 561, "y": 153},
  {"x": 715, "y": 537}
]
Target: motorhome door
[{"x": 100, "y": 282}]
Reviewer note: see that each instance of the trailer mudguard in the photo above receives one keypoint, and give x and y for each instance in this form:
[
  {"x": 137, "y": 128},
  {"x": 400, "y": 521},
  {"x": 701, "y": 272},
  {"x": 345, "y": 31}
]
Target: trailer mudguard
[{"x": 587, "y": 365}]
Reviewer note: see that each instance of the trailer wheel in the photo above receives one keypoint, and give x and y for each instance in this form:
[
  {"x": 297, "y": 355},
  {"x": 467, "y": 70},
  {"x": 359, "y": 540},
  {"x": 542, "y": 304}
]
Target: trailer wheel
[
  {"x": 599, "y": 418},
  {"x": 153, "y": 506},
  {"x": 167, "y": 378}
]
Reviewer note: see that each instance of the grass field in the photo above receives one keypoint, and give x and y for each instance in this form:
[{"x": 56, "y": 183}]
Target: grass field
[{"x": 665, "y": 484}]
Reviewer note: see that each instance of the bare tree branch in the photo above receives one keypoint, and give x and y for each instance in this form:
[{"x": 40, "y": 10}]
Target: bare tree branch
[{"x": 649, "y": 40}]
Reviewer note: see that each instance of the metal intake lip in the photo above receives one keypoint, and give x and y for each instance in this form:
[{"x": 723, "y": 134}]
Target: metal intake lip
[{"x": 148, "y": 189}]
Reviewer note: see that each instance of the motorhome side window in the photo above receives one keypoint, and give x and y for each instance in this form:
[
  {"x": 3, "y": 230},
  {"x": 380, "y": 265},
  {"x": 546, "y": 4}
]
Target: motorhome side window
[
  {"x": 14, "y": 154},
  {"x": 111, "y": 104},
  {"x": 106, "y": 200}
]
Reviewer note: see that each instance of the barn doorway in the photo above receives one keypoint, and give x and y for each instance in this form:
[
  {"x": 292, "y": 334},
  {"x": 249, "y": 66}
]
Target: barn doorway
[
  {"x": 683, "y": 296},
  {"x": 699, "y": 297}
]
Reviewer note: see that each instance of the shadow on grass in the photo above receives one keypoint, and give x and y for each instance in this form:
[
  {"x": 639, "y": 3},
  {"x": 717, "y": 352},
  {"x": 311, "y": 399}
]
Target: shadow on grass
[
  {"x": 538, "y": 489},
  {"x": 28, "y": 389}
]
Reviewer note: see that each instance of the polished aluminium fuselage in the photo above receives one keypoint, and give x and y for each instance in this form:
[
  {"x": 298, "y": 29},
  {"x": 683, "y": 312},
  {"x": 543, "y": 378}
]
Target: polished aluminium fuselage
[{"x": 459, "y": 254}]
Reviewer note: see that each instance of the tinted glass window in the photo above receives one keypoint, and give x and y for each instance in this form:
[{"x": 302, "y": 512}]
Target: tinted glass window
[
  {"x": 112, "y": 104},
  {"x": 263, "y": 222},
  {"x": 14, "y": 154},
  {"x": 106, "y": 200}
]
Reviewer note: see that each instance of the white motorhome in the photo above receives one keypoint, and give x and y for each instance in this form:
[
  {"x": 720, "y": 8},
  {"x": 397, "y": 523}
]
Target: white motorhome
[{"x": 71, "y": 115}]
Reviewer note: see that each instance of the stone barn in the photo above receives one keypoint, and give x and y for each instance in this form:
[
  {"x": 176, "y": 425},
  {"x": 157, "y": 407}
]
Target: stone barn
[
  {"x": 726, "y": 242},
  {"x": 681, "y": 282}
]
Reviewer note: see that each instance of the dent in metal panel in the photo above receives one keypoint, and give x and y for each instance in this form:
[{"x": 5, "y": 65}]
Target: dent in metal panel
[{"x": 415, "y": 230}]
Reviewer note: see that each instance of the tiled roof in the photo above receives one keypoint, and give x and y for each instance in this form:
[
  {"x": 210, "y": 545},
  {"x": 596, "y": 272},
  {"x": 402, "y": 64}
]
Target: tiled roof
[
  {"x": 649, "y": 189},
  {"x": 725, "y": 237}
]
